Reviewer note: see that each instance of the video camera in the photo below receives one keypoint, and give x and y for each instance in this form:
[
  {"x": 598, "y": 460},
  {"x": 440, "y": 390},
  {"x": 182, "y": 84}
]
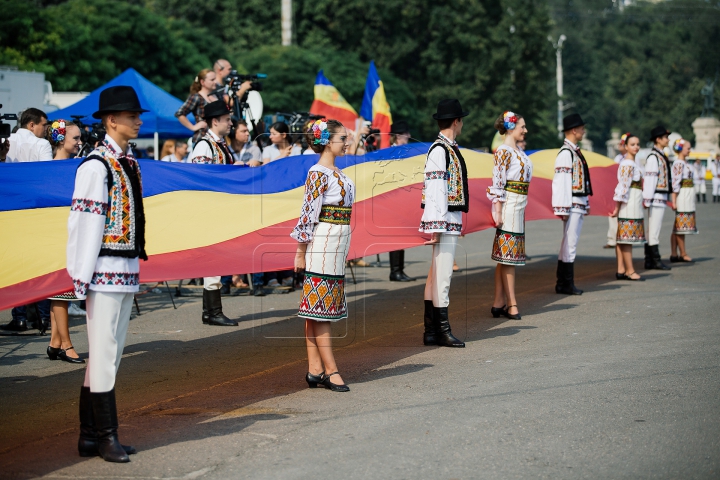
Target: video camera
[
  {"x": 90, "y": 135},
  {"x": 5, "y": 129},
  {"x": 234, "y": 79}
]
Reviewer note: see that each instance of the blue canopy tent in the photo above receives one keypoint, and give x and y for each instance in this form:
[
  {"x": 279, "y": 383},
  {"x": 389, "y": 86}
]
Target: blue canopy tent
[{"x": 160, "y": 120}]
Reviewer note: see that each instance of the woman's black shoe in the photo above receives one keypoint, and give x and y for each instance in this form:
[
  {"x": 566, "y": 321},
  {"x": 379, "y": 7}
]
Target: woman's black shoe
[
  {"x": 512, "y": 316},
  {"x": 314, "y": 380},
  {"x": 53, "y": 352},
  {"x": 332, "y": 386},
  {"x": 497, "y": 312},
  {"x": 63, "y": 356},
  {"x": 675, "y": 259},
  {"x": 620, "y": 276}
]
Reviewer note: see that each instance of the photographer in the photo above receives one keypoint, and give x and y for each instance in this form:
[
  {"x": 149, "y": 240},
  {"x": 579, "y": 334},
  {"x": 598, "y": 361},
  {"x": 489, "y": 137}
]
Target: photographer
[
  {"x": 244, "y": 152},
  {"x": 28, "y": 144}
]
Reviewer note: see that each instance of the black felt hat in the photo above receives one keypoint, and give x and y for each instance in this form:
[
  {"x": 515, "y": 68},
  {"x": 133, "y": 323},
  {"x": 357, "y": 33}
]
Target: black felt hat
[
  {"x": 401, "y": 126},
  {"x": 572, "y": 121},
  {"x": 218, "y": 108},
  {"x": 118, "y": 99},
  {"x": 449, "y": 109},
  {"x": 658, "y": 131}
]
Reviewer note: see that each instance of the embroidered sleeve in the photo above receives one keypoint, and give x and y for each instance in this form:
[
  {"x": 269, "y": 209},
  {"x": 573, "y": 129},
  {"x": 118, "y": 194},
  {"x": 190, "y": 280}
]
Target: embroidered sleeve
[
  {"x": 677, "y": 175},
  {"x": 202, "y": 153},
  {"x": 315, "y": 187},
  {"x": 189, "y": 106},
  {"x": 650, "y": 179},
  {"x": 562, "y": 184},
  {"x": 86, "y": 224},
  {"x": 434, "y": 218},
  {"x": 496, "y": 191},
  {"x": 625, "y": 176}
]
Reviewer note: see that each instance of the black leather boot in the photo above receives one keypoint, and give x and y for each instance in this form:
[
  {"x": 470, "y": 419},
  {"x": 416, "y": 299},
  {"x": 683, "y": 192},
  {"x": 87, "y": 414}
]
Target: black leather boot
[
  {"x": 16, "y": 325},
  {"x": 106, "y": 426},
  {"x": 205, "y": 309},
  {"x": 570, "y": 279},
  {"x": 657, "y": 259},
  {"x": 648, "y": 258},
  {"x": 397, "y": 264},
  {"x": 560, "y": 277},
  {"x": 430, "y": 335},
  {"x": 445, "y": 338},
  {"x": 88, "y": 443},
  {"x": 215, "y": 313},
  {"x": 697, "y": 197},
  {"x": 704, "y": 197}
]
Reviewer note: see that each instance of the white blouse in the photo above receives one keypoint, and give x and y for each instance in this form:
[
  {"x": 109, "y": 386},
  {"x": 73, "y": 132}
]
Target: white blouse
[
  {"x": 510, "y": 165},
  {"x": 86, "y": 226},
  {"x": 680, "y": 171},
  {"x": 324, "y": 186},
  {"x": 627, "y": 173}
]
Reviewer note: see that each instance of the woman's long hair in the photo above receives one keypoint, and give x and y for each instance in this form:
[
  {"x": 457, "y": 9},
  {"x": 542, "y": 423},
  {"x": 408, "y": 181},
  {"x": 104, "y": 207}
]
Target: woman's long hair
[{"x": 196, "y": 86}]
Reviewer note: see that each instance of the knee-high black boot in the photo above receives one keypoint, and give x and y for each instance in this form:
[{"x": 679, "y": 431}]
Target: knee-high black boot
[
  {"x": 657, "y": 259},
  {"x": 215, "y": 313},
  {"x": 704, "y": 197},
  {"x": 566, "y": 279},
  {"x": 88, "y": 442},
  {"x": 397, "y": 263},
  {"x": 106, "y": 427},
  {"x": 560, "y": 277},
  {"x": 445, "y": 338},
  {"x": 205, "y": 310},
  {"x": 430, "y": 335},
  {"x": 649, "y": 263}
]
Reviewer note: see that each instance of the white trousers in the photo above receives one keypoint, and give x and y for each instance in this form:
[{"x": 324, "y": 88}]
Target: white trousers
[
  {"x": 700, "y": 186},
  {"x": 571, "y": 234},
  {"x": 716, "y": 186},
  {"x": 655, "y": 218},
  {"x": 612, "y": 231},
  {"x": 108, "y": 317},
  {"x": 443, "y": 258},
  {"x": 211, "y": 283}
]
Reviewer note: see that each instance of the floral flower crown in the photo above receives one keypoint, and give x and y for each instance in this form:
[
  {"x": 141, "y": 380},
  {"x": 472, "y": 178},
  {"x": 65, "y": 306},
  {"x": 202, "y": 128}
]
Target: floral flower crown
[
  {"x": 509, "y": 120},
  {"x": 678, "y": 145},
  {"x": 320, "y": 131},
  {"x": 57, "y": 132},
  {"x": 624, "y": 138}
]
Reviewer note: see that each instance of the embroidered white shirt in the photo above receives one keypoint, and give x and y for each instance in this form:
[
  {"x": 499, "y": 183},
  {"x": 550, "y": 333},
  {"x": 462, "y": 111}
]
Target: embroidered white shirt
[
  {"x": 323, "y": 186},
  {"x": 26, "y": 147},
  {"x": 681, "y": 171},
  {"x": 436, "y": 218},
  {"x": 627, "y": 173},
  {"x": 563, "y": 201},
  {"x": 650, "y": 181},
  {"x": 86, "y": 226},
  {"x": 510, "y": 165}
]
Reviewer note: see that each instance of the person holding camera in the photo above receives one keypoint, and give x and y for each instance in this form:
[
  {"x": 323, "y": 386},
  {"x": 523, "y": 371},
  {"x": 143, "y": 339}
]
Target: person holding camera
[
  {"x": 106, "y": 241},
  {"x": 211, "y": 149},
  {"x": 244, "y": 152}
]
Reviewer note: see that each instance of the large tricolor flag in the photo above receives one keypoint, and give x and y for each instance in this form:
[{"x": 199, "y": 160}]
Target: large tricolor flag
[
  {"x": 205, "y": 220},
  {"x": 331, "y": 104},
  {"x": 375, "y": 106}
]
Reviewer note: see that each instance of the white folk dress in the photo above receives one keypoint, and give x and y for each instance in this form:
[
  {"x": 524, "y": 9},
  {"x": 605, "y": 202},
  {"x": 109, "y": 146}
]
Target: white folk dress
[
  {"x": 324, "y": 224},
  {"x": 511, "y": 180},
  {"x": 682, "y": 184},
  {"x": 631, "y": 219}
]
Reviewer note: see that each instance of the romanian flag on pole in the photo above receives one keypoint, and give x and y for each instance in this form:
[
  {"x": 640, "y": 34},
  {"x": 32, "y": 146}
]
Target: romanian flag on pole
[
  {"x": 375, "y": 106},
  {"x": 331, "y": 104}
]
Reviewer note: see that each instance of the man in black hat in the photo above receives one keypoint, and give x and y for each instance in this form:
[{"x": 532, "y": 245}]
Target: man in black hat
[
  {"x": 571, "y": 188},
  {"x": 657, "y": 183},
  {"x": 106, "y": 240},
  {"x": 400, "y": 132},
  {"x": 445, "y": 197},
  {"x": 212, "y": 149}
]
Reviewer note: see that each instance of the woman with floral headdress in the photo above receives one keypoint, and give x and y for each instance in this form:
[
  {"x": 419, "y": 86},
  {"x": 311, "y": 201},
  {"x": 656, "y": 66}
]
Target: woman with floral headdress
[
  {"x": 508, "y": 193},
  {"x": 628, "y": 210},
  {"x": 683, "y": 201},
  {"x": 65, "y": 140},
  {"x": 323, "y": 236},
  {"x": 612, "y": 221}
]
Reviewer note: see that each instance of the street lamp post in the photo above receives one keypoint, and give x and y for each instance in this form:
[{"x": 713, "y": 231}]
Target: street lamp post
[{"x": 559, "y": 77}]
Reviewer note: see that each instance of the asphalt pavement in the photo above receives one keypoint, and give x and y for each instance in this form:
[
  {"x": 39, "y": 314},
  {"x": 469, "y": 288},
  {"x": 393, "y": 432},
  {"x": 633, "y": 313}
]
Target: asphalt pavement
[{"x": 621, "y": 382}]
